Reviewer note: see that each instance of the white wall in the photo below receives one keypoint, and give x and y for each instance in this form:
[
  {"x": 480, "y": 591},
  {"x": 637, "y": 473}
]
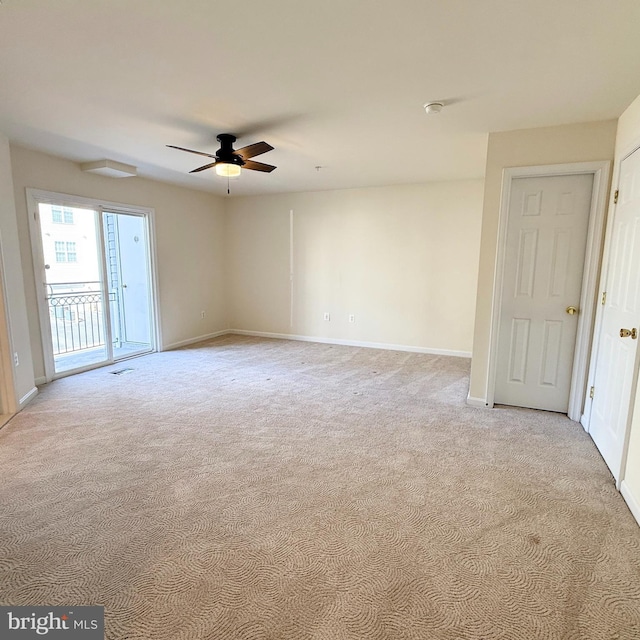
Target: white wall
[
  {"x": 189, "y": 238},
  {"x": 530, "y": 147},
  {"x": 22, "y": 383},
  {"x": 627, "y": 140},
  {"x": 401, "y": 259}
]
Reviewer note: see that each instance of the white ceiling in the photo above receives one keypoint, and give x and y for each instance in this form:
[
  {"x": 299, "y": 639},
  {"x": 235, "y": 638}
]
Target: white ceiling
[{"x": 334, "y": 83}]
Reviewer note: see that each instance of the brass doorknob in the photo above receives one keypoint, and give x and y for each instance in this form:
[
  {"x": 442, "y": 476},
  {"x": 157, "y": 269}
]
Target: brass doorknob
[
  {"x": 572, "y": 311},
  {"x": 626, "y": 333}
]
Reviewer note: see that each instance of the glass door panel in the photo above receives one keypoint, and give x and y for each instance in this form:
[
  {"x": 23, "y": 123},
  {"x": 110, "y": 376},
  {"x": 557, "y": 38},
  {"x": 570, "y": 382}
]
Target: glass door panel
[
  {"x": 129, "y": 282},
  {"x": 73, "y": 286}
]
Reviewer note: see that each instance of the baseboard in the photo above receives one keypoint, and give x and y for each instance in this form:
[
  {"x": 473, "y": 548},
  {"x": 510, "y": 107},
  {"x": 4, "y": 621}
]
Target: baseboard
[
  {"x": 481, "y": 403},
  {"x": 184, "y": 343},
  {"x": 41, "y": 381},
  {"x": 631, "y": 501},
  {"x": 353, "y": 343},
  {"x": 27, "y": 398}
]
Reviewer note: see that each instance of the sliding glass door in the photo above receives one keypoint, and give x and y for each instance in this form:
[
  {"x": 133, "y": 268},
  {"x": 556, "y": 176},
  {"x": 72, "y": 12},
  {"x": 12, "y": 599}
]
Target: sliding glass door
[{"x": 96, "y": 291}]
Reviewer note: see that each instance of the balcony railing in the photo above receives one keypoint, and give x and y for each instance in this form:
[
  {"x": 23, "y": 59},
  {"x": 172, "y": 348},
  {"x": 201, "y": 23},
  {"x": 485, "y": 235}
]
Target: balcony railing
[{"x": 76, "y": 313}]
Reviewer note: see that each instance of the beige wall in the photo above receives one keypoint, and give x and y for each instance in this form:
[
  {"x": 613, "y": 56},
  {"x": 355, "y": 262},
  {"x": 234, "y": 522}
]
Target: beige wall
[
  {"x": 552, "y": 145},
  {"x": 16, "y": 311},
  {"x": 402, "y": 260},
  {"x": 627, "y": 140},
  {"x": 189, "y": 228}
]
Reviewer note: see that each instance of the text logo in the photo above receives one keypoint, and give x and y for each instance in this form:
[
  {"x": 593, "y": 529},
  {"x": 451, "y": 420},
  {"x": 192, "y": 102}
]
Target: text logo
[{"x": 52, "y": 623}]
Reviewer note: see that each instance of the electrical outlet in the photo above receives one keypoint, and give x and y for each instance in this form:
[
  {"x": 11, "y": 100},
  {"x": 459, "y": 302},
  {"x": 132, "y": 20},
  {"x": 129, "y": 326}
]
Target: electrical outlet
[
  {"x": 352, "y": 317},
  {"x": 327, "y": 316},
  {"x": 16, "y": 359},
  {"x": 202, "y": 314}
]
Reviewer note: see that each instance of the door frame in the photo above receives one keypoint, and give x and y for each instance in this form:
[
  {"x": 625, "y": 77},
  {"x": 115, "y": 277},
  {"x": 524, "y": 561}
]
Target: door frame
[
  {"x": 590, "y": 275},
  {"x": 34, "y": 198}
]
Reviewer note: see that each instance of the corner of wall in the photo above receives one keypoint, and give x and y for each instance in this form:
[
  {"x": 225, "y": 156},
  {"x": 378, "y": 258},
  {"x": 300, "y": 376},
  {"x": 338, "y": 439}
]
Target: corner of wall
[{"x": 16, "y": 333}]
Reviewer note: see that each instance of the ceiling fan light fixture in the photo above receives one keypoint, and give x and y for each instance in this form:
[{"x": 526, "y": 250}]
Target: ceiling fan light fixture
[
  {"x": 228, "y": 170},
  {"x": 227, "y": 161}
]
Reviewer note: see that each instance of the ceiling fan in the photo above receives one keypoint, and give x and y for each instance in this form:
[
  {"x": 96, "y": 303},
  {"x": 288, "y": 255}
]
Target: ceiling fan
[{"x": 229, "y": 162}]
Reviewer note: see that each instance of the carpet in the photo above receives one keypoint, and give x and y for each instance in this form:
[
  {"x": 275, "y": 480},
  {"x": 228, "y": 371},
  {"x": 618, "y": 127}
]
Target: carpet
[{"x": 255, "y": 489}]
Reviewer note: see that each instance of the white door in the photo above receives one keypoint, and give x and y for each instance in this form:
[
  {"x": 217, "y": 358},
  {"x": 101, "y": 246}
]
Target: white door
[
  {"x": 616, "y": 353},
  {"x": 544, "y": 260}
]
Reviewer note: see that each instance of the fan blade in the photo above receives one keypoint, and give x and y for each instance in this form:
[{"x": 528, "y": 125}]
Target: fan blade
[
  {"x": 258, "y": 166},
  {"x": 253, "y": 150},
  {"x": 200, "y": 153},
  {"x": 206, "y": 166}
]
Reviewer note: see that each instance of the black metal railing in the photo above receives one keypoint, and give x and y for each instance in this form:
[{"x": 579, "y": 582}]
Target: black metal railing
[{"x": 76, "y": 313}]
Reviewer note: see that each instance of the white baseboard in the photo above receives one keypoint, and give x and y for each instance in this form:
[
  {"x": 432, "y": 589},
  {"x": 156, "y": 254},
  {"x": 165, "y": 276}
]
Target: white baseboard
[
  {"x": 184, "y": 343},
  {"x": 27, "y": 398},
  {"x": 41, "y": 381},
  {"x": 353, "y": 343},
  {"x": 481, "y": 403},
  {"x": 631, "y": 501}
]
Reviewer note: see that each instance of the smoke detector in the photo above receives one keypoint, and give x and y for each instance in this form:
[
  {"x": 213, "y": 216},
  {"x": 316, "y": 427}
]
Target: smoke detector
[{"x": 433, "y": 107}]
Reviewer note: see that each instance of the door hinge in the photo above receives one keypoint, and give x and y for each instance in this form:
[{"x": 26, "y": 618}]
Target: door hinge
[
  {"x": 604, "y": 298},
  {"x": 615, "y": 196},
  {"x": 592, "y": 392}
]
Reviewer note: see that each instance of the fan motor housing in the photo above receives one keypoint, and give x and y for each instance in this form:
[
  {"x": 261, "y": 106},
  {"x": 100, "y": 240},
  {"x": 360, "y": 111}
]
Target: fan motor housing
[{"x": 226, "y": 153}]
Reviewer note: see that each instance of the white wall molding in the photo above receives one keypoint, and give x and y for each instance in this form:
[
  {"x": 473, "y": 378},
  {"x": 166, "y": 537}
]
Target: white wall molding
[
  {"x": 631, "y": 501},
  {"x": 203, "y": 338},
  {"x": 28, "y": 397},
  {"x": 480, "y": 403},
  {"x": 353, "y": 343}
]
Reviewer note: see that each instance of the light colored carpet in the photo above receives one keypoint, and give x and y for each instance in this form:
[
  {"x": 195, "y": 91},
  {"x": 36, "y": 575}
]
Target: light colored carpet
[{"x": 256, "y": 489}]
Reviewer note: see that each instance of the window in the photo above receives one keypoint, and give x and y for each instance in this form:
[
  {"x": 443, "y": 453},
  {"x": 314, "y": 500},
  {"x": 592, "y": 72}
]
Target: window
[
  {"x": 66, "y": 252},
  {"x": 61, "y": 216}
]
